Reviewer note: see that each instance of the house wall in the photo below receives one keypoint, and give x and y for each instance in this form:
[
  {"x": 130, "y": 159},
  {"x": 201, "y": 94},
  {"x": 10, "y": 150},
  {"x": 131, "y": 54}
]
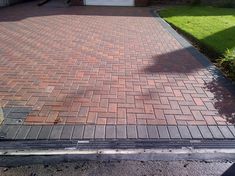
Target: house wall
[
  {"x": 141, "y": 2},
  {"x": 137, "y": 2},
  {"x": 4, "y": 3}
]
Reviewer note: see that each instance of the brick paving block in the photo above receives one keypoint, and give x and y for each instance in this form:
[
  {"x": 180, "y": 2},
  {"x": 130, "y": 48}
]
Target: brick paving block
[
  {"x": 23, "y": 131},
  {"x": 111, "y": 84},
  {"x": 232, "y": 129},
  {"x": 110, "y": 132},
  {"x": 215, "y": 132},
  {"x": 56, "y": 132},
  {"x": 174, "y": 132},
  {"x": 163, "y": 132},
  {"x": 34, "y": 132},
  {"x": 205, "y": 132},
  {"x": 121, "y": 132},
  {"x": 131, "y": 131},
  {"x": 142, "y": 131},
  {"x": 197, "y": 115},
  {"x": 67, "y": 132},
  {"x": 12, "y": 131},
  {"x": 100, "y": 131},
  {"x": 89, "y": 132},
  {"x": 195, "y": 132},
  {"x": 184, "y": 132},
  {"x": 152, "y": 132},
  {"x": 226, "y": 132},
  {"x": 78, "y": 132},
  {"x": 45, "y": 132}
]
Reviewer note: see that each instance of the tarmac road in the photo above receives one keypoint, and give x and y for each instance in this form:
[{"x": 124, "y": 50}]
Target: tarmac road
[{"x": 125, "y": 168}]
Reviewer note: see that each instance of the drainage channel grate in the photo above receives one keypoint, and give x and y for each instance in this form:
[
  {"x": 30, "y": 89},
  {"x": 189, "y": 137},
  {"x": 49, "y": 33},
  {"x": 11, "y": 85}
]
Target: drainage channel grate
[{"x": 118, "y": 144}]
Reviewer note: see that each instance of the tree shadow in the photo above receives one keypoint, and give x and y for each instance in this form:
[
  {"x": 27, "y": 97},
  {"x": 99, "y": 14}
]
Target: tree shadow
[
  {"x": 224, "y": 97},
  {"x": 226, "y": 35},
  {"x": 230, "y": 171},
  {"x": 181, "y": 62}
]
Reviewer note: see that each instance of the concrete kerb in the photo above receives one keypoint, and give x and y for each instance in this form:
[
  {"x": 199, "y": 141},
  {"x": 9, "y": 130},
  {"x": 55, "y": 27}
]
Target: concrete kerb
[{"x": 16, "y": 158}]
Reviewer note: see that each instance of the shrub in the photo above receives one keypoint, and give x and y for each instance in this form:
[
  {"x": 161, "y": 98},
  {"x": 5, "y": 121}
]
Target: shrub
[
  {"x": 228, "y": 4},
  {"x": 196, "y": 2},
  {"x": 227, "y": 63}
]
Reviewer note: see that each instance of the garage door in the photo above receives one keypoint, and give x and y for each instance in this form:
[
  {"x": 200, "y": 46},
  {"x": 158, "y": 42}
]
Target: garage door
[{"x": 110, "y": 2}]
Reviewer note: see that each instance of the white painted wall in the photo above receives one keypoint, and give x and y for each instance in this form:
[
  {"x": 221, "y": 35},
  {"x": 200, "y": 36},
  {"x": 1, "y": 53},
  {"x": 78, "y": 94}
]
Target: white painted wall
[{"x": 110, "y": 2}]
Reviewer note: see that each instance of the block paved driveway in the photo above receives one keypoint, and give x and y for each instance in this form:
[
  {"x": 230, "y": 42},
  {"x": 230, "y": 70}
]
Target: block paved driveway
[{"x": 98, "y": 66}]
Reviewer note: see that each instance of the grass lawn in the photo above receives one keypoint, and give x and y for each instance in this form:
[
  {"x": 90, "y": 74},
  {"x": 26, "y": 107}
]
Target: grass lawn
[{"x": 212, "y": 27}]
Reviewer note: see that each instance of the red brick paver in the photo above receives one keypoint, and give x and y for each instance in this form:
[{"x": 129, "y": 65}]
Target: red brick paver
[{"x": 98, "y": 65}]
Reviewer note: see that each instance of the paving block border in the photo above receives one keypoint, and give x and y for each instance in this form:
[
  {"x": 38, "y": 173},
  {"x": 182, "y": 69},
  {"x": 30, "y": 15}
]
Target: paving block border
[{"x": 116, "y": 132}]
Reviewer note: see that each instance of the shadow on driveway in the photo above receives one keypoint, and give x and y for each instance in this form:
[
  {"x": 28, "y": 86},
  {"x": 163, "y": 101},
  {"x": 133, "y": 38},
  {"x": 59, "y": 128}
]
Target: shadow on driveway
[{"x": 181, "y": 62}]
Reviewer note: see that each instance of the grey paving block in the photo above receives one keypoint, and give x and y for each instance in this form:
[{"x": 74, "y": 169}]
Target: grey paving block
[
  {"x": 21, "y": 109},
  {"x": 45, "y": 132},
  {"x": 11, "y": 121},
  {"x": 226, "y": 132},
  {"x": 215, "y": 132},
  {"x": 17, "y": 115},
  {"x": 142, "y": 131},
  {"x": 89, "y": 132},
  {"x": 78, "y": 132},
  {"x": 6, "y": 111},
  {"x": 131, "y": 131},
  {"x": 110, "y": 132},
  {"x": 152, "y": 132},
  {"x": 12, "y": 131},
  {"x": 100, "y": 131},
  {"x": 196, "y": 134},
  {"x": 56, "y": 132},
  {"x": 121, "y": 132},
  {"x": 206, "y": 133},
  {"x": 67, "y": 132},
  {"x": 3, "y": 131},
  {"x": 34, "y": 132},
  {"x": 184, "y": 132},
  {"x": 232, "y": 129},
  {"x": 163, "y": 132},
  {"x": 23, "y": 131},
  {"x": 174, "y": 132}
]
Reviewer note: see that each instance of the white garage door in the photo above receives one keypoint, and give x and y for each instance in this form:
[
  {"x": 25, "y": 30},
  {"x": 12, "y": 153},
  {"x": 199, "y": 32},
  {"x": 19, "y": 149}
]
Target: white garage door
[{"x": 110, "y": 2}]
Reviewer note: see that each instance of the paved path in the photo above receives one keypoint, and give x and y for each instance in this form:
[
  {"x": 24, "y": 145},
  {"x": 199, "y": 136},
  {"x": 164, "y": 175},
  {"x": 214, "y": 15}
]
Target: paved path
[{"x": 102, "y": 68}]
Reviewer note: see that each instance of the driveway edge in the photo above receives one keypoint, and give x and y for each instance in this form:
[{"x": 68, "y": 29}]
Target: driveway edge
[{"x": 201, "y": 58}]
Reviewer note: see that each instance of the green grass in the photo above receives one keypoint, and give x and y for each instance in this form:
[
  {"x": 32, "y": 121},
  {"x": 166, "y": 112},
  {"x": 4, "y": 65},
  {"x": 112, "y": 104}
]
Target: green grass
[{"x": 212, "y": 27}]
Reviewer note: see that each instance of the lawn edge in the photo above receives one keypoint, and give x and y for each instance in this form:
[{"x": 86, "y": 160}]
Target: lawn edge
[
  {"x": 199, "y": 56},
  {"x": 213, "y": 55}
]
